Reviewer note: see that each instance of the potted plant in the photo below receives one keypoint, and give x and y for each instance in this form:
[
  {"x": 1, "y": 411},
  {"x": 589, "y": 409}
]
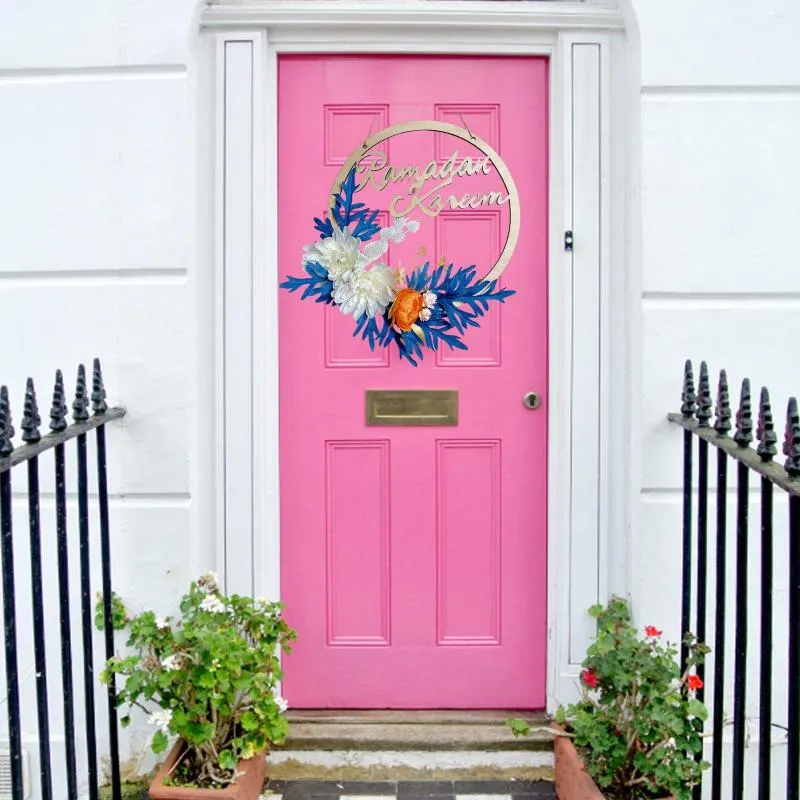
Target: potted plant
[
  {"x": 208, "y": 677},
  {"x": 636, "y": 731}
]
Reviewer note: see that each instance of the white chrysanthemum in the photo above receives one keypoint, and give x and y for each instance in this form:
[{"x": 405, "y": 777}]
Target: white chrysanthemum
[
  {"x": 171, "y": 662},
  {"x": 424, "y": 314},
  {"x": 161, "y": 719},
  {"x": 368, "y": 292},
  {"x": 212, "y": 603},
  {"x": 281, "y": 703},
  {"x": 339, "y": 254},
  {"x": 429, "y": 299},
  {"x": 162, "y": 623}
]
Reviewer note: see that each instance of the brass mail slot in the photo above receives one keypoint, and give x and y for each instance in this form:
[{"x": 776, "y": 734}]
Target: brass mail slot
[{"x": 411, "y": 407}]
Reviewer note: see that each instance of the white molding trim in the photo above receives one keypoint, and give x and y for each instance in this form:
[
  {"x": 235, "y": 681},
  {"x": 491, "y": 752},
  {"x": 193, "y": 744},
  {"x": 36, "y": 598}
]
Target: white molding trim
[
  {"x": 420, "y": 15},
  {"x": 580, "y": 424}
]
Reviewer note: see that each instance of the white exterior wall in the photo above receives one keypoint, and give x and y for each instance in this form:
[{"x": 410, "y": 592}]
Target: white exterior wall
[
  {"x": 97, "y": 220},
  {"x": 720, "y": 167},
  {"x": 105, "y": 225}
]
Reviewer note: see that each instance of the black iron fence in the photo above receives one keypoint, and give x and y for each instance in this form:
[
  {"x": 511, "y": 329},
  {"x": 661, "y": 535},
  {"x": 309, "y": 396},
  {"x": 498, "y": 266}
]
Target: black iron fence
[
  {"x": 735, "y": 451},
  {"x": 34, "y": 445}
]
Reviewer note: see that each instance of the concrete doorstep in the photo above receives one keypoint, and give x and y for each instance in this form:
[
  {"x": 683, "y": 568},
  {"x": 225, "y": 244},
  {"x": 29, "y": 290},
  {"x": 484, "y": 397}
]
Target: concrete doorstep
[{"x": 380, "y": 745}]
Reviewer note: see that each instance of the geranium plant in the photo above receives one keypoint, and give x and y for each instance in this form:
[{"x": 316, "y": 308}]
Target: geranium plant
[
  {"x": 638, "y": 723},
  {"x": 209, "y": 676}
]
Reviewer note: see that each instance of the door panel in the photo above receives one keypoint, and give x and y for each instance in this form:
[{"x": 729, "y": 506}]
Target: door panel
[{"x": 413, "y": 559}]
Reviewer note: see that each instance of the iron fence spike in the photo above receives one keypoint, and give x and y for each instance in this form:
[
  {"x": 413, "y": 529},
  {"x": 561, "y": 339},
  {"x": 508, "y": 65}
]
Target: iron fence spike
[
  {"x": 58, "y": 408},
  {"x": 99, "y": 405},
  {"x": 722, "y": 424},
  {"x": 765, "y": 430},
  {"x": 791, "y": 440},
  {"x": 744, "y": 417},
  {"x": 30, "y": 416},
  {"x": 704, "y": 404},
  {"x": 80, "y": 406},
  {"x": 6, "y": 426},
  {"x": 687, "y": 395}
]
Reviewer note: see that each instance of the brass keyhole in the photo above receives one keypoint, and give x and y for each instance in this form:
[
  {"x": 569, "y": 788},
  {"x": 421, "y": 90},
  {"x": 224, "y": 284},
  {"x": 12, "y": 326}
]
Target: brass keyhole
[{"x": 532, "y": 400}]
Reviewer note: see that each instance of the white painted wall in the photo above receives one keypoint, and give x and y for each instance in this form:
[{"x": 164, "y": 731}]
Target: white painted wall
[
  {"x": 105, "y": 229},
  {"x": 97, "y": 220},
  {"x": 720, "y": 121}
]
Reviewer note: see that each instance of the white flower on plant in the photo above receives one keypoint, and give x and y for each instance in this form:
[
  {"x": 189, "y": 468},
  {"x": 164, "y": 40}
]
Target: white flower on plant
[
  {"x": 208, "y": 582},
  {"x": 281, "y": 703},
  {"x": 161, "y": 719},
  {"x": 213, "y": 604},
  {"x": 162, "y": 623},
  {"x": 367, "y": 292},
  {"x": 171, "y": 662}
]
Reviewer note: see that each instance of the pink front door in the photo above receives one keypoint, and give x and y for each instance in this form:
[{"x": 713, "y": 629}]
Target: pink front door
[{"x": 414, "y": 559}]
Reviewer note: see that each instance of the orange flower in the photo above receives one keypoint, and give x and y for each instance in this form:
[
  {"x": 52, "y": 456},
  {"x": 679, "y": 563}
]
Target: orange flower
[
  {"x": 404, "y": 311},
  {"x": 694, "y": 682}
]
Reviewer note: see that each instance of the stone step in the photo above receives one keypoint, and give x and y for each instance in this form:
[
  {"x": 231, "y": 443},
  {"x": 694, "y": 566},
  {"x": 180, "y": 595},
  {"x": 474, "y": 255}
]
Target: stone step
[
  {"x": 412, "y": 745},
  {"x": 408, "y": 736}
]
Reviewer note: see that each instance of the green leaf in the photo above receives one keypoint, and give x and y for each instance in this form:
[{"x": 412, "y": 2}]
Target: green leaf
[
  {"x": 697, "y": 709},
  {"x": 227, "y": 760},
  {"x": 160, "y": 742},
  {"x": 249, "y": 721},
  {"x": 125, "y": 721}
]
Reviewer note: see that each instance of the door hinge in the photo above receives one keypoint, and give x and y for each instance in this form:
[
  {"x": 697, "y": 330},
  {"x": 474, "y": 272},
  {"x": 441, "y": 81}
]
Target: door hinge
[{"x": 568, "y": 241}]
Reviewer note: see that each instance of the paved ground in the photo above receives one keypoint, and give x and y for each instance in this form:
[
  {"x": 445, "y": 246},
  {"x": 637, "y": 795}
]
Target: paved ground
[{"x": 409, "y": 790}]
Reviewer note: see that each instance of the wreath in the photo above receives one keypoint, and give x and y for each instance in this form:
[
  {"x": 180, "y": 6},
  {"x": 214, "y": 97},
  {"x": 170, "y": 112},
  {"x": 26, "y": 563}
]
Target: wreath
[{"x": 427, "y": 308}]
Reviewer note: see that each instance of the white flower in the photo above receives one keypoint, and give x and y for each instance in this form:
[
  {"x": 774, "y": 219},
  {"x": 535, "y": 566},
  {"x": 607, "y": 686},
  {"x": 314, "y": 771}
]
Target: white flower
[
  {"x": 368, "y": 292},
  {"x": 396, "y": 232},
  {"x": 671, "y": 744},
  {"x": 213, "y": 604},
  {"x": 171, "y": 662},
  {"x": 339, "y": 254},
  {"x": 161, "y": 718},
  {"x": 162, "y": 623},
  {"x": 208, "y": 582},
  {"x": 424, "y": 314},
  {"x": 429, "y": 299},
  {"x": 281, "y": 703}
]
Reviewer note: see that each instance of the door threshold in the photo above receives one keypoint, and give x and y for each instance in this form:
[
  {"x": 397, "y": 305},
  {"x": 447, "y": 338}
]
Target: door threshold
[{"x": 414, "y": 717}]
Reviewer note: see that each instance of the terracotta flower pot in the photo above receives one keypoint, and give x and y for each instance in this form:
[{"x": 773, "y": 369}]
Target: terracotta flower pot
[
  {"x": 573, "y": 782},
  {"x": 247, "y": 786}
]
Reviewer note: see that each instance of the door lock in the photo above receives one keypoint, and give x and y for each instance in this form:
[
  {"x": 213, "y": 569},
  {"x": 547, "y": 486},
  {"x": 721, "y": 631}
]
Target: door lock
[{"x": 531, "y": 400}]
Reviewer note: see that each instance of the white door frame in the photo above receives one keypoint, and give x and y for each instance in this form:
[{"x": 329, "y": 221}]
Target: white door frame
[{"x": 587, "y": 494}]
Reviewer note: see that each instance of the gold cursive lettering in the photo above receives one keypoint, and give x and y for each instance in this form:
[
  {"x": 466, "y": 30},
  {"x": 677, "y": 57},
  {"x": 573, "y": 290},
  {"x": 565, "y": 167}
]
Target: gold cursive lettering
[{"x": 379, "y": 173}]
